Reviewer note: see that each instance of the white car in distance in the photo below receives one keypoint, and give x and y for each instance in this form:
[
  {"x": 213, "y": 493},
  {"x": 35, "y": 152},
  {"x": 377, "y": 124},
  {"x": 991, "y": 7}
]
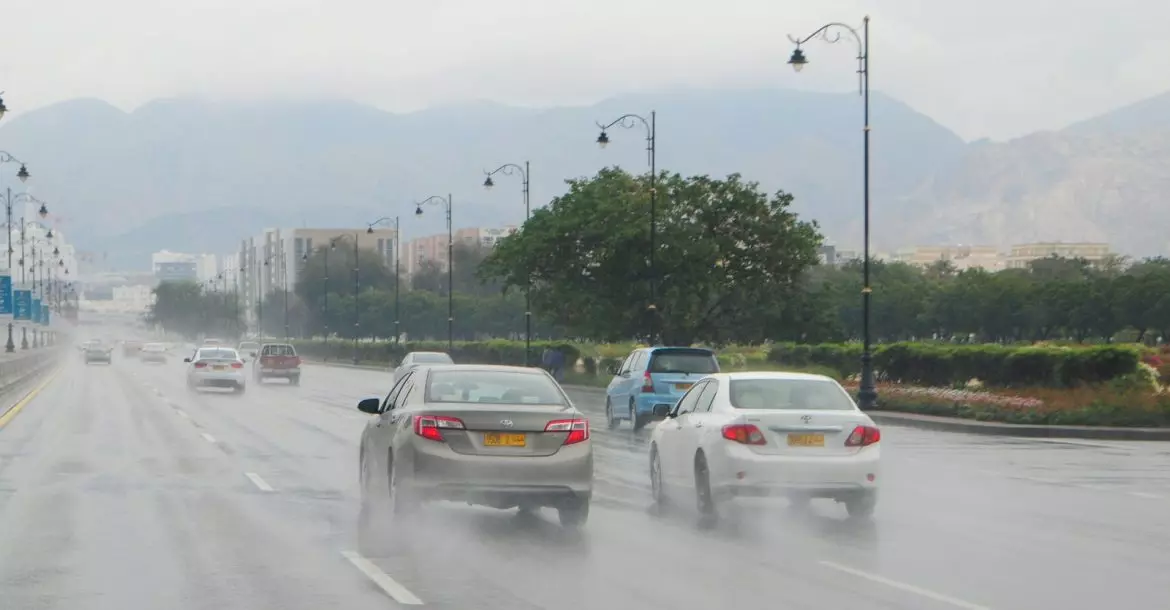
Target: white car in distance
[
  {"x": 414, "y": 359},
  {"x": 787, "y": 435},
  {"x": 216, "y": 367}
]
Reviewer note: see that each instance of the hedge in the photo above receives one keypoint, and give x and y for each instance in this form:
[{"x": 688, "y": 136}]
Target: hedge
[
  {"x": 387, "y": 352},
  {"x": 945, "y": 365}
]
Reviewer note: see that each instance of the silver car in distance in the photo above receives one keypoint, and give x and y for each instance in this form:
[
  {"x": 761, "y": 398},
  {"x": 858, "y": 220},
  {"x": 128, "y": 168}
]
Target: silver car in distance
[{"x": 497, "y": 436}]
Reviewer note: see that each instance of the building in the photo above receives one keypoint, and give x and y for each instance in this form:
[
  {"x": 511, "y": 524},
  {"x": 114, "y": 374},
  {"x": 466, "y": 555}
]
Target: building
[
  {"x": 204, "y": 266},
  {"x": 1020, "y": 255},
  {"x": 961, "y": 257},
  {"x": 274, "y": 259},
  {"x": 176, "y": 271},
  {"x": 827, "y": 255},
  {"x": 434, "y": 247},
  {"x": 135, "y": 299}
]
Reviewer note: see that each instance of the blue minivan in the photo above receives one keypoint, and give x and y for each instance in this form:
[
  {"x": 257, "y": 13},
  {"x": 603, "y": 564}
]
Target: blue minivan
[{"x": 651, "y": 380}]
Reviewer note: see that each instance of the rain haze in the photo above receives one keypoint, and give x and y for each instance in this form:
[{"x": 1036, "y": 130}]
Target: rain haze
[{"x": 547, "y": 305}]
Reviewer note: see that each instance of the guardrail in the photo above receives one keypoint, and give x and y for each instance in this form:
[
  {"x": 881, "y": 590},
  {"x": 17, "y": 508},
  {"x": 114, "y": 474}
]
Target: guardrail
[{"x": 18, "y": 371}]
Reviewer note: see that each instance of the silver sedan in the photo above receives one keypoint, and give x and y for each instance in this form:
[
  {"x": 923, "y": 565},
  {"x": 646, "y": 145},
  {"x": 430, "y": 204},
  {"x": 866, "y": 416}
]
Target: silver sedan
[{"x": 497, "y": 436}]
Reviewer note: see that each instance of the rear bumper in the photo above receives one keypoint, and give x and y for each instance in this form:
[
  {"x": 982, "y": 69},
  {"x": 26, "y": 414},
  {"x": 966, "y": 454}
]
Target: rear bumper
[
  {"x": 644, "y": 403},
  {"x": 746, "y": 474},
  {"x": 263, "y": 372},
  {"x": 218, "y": 380},
  {"x": 438, "y": 473}
]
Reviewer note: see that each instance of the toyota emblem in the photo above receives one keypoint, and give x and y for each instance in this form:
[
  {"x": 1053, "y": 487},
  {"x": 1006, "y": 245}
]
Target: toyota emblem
[
  {"x": 507, "y": 423},
  {"x": 806, "y": 418}
]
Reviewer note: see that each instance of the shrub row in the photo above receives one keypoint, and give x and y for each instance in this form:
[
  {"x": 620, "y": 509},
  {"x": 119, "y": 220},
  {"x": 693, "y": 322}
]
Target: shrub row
[
  {"x": 944, "y": 365},
  {"x": 498, "y": 351}
]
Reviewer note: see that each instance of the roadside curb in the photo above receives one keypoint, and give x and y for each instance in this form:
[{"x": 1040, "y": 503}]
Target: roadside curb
[{"x": 953, "y": 424}]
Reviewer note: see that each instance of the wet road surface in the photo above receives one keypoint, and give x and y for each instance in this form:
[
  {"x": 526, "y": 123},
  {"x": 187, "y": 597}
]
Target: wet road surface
[{"x": 120, "y": 489}]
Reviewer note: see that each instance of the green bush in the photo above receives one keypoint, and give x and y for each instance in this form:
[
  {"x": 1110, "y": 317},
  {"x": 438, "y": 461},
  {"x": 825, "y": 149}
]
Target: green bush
[
  {"x": 946, "y": 365},
  {"x": 388, "y": 353}
]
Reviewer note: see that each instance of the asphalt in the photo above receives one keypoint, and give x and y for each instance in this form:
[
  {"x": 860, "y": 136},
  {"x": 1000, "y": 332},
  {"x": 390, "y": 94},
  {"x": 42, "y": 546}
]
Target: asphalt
[{"x": 120, "y": 489}]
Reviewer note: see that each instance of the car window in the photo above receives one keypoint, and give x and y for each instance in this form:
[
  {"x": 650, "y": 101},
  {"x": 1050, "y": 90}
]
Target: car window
[
  {"x": 493, "y": 387},
  {"x": 687, "y": 403},
  {"x": 639, "y": 362},
  {"x": 684, "y": 361},
  {"x": 707, "y": 398},
  {"x": 784, "y": 394},
  {"x": 626, "y": 364},
  {"x": 279, "y": 350},
  {"x": 408, "y": 360},
  {"x": 216, "y": 354},
  {"x": 433, "y": 359},
  {"x": 392, "y": 397}
]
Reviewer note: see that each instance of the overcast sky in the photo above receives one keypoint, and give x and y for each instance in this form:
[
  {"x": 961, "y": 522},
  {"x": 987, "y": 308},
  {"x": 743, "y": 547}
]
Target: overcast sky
[{"x": 994, "y": 68}]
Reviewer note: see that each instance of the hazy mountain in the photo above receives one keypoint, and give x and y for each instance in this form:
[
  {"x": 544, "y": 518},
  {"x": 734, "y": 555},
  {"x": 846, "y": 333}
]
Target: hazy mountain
[
  {"x": 188, "y": 175},
  {"x": 1103, "y": 179}
]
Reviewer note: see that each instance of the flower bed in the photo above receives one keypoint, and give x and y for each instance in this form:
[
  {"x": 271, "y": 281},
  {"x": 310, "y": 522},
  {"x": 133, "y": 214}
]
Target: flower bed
[{"x": 1086, "y": 406}]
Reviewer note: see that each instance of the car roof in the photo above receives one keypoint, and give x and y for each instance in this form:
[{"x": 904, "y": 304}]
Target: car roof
[
  {"x": 786, "y": 375},
  {"x": 430, "y": 353},
  {"x": 681, "y": 348},
  {"x": 483, "y": 368}
]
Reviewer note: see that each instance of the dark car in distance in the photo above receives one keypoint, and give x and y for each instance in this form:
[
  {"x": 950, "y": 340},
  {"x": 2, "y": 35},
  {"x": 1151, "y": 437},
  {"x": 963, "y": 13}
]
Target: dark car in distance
[{"x": 96, "y": 352}]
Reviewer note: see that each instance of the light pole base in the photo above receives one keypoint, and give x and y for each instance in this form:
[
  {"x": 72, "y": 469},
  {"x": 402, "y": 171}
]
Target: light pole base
[
  {"x": 10, "y": 346},
  {"x": 867, "y": 392},
  {"x": 23, "y": 338}
]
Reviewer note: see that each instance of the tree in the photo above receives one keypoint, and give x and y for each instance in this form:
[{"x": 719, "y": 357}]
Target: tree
[
  {"x": 725, "y": 252},
  {"x": 188, "y": 309},
  {"x": 318, "y": 312}
]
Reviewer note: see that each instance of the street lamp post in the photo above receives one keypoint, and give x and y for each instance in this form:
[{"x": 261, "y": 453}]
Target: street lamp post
[
  {"x": 832, "y": 33},
  {"x": 508, "y": 169},
  {"x": 446, "y": 203},
  {"x": 325, "y": 303},
  {"x": 357, "y": 284},
  {"x": 397, "y": 267},
  {"x": 9, "y": 200},
  {"x": 629, "y": 121}
]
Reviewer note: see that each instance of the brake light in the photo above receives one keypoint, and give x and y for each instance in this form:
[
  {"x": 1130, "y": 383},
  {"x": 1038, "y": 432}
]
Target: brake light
[
  {"x": 578, "y": 429},
  {"x": 237, "y": 365},
  {"x": 297, "y": 360},
  {"x": 200, "y": 365},
  {"x": 647, "y": 383},
  {"x": 863, "y": 436},
  {"x": 431, "y": 427},
  {"x": 745, "y": 434}
]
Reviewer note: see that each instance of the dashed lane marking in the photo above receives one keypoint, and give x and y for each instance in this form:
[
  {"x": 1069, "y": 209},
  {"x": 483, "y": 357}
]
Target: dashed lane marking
[
  {"x": 182, "y": 414},
  {"x": 1143, "y": 494},
  {"x": 909, "y": 588},
  {"x": 392, "y": 587},
  {"x": 260, "y": 483},
  {"x": 207, "y": 437}
]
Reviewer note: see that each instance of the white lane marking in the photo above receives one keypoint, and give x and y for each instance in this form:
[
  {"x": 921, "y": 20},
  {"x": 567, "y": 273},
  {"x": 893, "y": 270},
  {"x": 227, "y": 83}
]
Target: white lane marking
[
  {"x": 182, "y": 414},
  {"x": 392, "y": 587},
  {"x": 1142, "y": 494},
  {"x": 260, "y": 483},
  {"x": 939, "y": 597},
  {"x": 207, "y": 437}
]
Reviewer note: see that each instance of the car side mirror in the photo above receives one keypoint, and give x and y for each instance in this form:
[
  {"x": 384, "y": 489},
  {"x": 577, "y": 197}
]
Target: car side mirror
[
  {"x": 661, "y": 411},
  {"x": 253, "y": 354},
  {"x": 370, "y": 405},
  {"x": 186, "y": 360}
]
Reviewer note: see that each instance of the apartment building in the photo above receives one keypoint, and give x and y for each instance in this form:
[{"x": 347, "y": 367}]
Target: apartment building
[
  {"x": 434, "y": 247},
  {"x": 961, "y": 257}
]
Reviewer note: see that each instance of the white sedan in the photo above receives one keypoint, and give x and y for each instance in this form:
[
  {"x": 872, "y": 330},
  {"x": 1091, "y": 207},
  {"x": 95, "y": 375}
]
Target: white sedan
[
  {"x": 216, "y": 367},
  {"x": 788, "y": 435}
]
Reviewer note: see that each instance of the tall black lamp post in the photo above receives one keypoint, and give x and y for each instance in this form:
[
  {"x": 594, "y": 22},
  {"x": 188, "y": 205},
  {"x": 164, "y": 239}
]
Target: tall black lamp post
[
  {"x": 629, "y": 121},
  {"x": 446, "y": 203},
  {"x": 832, "y": 33},
  {"x": 508, "y": 169},
  {"x": 9, "y": 201},
  {"x": 325, "y": 297},
  {"x": 397, "y": 267}
]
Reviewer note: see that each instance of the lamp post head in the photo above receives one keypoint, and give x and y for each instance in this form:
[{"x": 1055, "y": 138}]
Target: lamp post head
[
  {"x": 418, "y": 210},
  {"x": 60, "y": 263},
  {"x": 43, "y": 212},
  {"x": 3, "y": 108},
  {"x": 369, "y": 230},
  {"x": 798, "y": 60},
  {"x": 603, "y": 139},
  {"x": 49, "y": 235},
  {"x": 23, "y": 173},
  {"x": 487, "y": 183},
  {"x": 305, "y": 257}
]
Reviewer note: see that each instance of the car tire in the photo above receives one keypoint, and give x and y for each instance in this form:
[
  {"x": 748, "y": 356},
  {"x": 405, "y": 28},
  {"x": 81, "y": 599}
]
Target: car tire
[
  {"x": 295, "y": 380},
  {"x": 573, "y": 514},
  {"x": 657, "y": 491},
  {"x": 610, "y": 421},
  {"x": 704, "y": 497},
  {"x": 240, "y": 389},
  {"x": 373, "y": 536},
  {"x": 637, "y": 421},
  {"x": 403, "y": 504},
  {"x": 861, "y": 506}
]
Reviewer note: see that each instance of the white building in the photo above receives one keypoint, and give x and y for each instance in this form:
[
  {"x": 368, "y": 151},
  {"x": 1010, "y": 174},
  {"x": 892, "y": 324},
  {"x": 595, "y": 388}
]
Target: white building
[
  {"x": 206, "y": 265},
  {"x": 132, "y": 299}
]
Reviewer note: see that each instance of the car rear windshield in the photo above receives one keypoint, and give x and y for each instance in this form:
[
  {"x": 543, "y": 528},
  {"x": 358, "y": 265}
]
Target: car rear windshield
[
  {"x": 422, "y": 358},
  {"x": 694, "y": 362},
  {"x": 789, "y": 394},
  {"x": 278, "y": 350},
  {"x": 493, "y": 387},
  {"x": 218, "y": 354}
]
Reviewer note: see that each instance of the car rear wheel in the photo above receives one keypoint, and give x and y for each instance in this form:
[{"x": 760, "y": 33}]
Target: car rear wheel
[
  {"x": 704, "y": 498},
  {"x": 861, "y": 506},
  {"x": 610, "y": 421},
  {"x": 573, "y": 514},
  {"x": 637, "y": 421}
]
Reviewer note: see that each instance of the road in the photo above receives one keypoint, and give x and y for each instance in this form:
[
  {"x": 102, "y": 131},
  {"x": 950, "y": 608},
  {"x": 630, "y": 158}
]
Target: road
[{"x": 119, "y": 489}]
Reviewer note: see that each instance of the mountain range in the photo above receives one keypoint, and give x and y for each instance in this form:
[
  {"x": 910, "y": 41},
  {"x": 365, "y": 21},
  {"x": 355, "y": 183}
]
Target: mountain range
[{"x": 191, "y": 175}]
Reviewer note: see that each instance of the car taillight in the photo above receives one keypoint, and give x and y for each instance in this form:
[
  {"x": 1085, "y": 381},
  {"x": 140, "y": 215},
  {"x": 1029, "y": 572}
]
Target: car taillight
[
  {"x": 863, "y": 436},
  {"x": 745, "y": 434},
  {"x": 578, "y": 429},
  {"x": 200, "y": 365},
  {"x": 237, "y": 365},
  {"x": 431, "y": 426},
  {"x": 647, "y": 383},
  {"x": 297, "y": 360}
]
